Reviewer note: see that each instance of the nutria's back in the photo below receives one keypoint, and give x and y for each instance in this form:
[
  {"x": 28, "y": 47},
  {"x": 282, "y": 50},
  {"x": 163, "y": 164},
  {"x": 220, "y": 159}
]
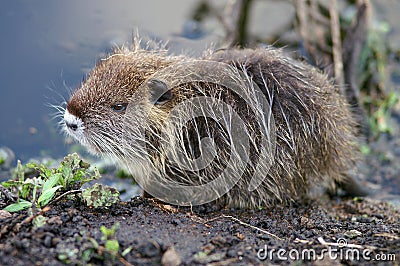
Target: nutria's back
[{"x": 272, "y": 126}]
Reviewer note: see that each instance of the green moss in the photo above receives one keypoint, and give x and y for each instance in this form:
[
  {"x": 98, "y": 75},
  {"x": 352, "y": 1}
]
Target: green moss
[{"x": 100, "y": 196}]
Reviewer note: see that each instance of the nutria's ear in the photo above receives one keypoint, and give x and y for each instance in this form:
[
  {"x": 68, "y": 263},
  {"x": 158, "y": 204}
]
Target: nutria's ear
[{"x": 159, "y": 91}]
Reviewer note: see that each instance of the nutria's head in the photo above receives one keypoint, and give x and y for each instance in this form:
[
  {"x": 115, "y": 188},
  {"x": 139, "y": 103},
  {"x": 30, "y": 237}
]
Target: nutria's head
[{"x": 94, "y": 115}]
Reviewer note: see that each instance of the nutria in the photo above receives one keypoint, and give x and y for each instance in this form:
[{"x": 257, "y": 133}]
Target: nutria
[{"x": 243, "y": 128}]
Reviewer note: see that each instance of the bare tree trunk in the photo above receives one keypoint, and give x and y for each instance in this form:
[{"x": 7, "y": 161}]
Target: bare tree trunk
[
  {"x": 235, "y": 21},
  {"x": 353, "y": 45},
  {"x": 336, "y": 45}
]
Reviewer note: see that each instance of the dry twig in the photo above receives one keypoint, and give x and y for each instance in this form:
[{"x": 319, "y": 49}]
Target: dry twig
[{"x": 245, "y": 224}]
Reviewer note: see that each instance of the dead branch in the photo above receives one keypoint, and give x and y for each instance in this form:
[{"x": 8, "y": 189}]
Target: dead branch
[
  {"x": 353, "y": 45},
  {"x": 336, "y": 44}
]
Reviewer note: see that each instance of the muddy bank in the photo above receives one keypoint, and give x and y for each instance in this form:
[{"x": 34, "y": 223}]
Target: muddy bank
[{"x": 156, "y": 233}]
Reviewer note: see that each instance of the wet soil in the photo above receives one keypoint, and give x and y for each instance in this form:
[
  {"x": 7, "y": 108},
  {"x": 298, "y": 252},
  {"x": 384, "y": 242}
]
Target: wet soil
[{"x": 162, "y": 234}]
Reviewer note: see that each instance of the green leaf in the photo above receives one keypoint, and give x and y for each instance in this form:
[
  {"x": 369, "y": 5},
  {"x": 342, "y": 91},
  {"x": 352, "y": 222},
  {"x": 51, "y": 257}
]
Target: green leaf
[
  {"x": 32, "y": 165},
  {"x": 11, "y": 183},
  {"x": 126, "y": 251},
  {"x": 26, "y": 189},
  {"x": 19, "y": 171},
  {"x": 39, "y": 221},
  {"x": 52, "y": 181},
  {"x": 365, "y": 149},
  {"x": 392, "y": 99},
  {"x": 87, "y": 255},
  {"x": 112, "y": 245},
  {"x": 46, "y": 196},
  {"x": 18, "y": 206},
  {"x": 107, "y": 232},
  {"x": 94, "y": 243}
]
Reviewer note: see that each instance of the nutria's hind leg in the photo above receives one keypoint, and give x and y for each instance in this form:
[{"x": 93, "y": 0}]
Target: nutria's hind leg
[
  {"x": 210, "y": 207},
  {"x": 146, "y": 195},
  {"x": 349, "y": 186}
]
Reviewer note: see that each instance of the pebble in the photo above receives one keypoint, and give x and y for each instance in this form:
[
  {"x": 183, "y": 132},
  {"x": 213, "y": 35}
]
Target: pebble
[
  {"x": 4, "y": 214},
  {"x": 176, "y": 222},
  {"x": 171, "y": 258},
  {"x": 352, "y": 233},
  {"x": 48, "y": 241}
]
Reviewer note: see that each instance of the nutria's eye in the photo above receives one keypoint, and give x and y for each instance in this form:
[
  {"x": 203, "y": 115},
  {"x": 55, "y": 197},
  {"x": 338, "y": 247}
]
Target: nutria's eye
[
  {"x": 119, "y": 107},
  {"x": 159, "y": 91}
]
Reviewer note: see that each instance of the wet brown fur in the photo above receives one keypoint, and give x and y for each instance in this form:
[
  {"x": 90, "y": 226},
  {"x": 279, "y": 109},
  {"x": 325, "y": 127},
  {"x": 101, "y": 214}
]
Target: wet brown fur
[{"x": 315, "y": 130}]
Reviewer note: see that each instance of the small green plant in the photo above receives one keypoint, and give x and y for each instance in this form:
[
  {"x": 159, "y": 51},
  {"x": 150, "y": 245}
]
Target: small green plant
[
  {"x": 43, "y": 184},
  {"x": 111, "y": 244},
  {"x": 39, "y": 221},
  {"x": 379, "y": 119},
  {"x": 365, "y": 149},
  {"x": 91, "y": 249},
  {"x": 379, "y": 99}
]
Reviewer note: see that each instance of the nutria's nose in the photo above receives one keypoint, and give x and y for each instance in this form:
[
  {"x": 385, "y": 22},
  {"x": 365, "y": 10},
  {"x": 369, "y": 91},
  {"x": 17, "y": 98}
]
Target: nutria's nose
[
  {"x": 72, "y": 126},
  {"x": 72, "y": 122}
]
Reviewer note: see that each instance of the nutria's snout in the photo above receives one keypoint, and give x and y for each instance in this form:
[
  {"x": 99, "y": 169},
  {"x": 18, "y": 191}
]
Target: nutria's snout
[
  {"x": 72, "y": 122},
  {"x": 71, "y": 118},
  {"x": 74, "y": 126},
  {"x": 71, "y": 125}
]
